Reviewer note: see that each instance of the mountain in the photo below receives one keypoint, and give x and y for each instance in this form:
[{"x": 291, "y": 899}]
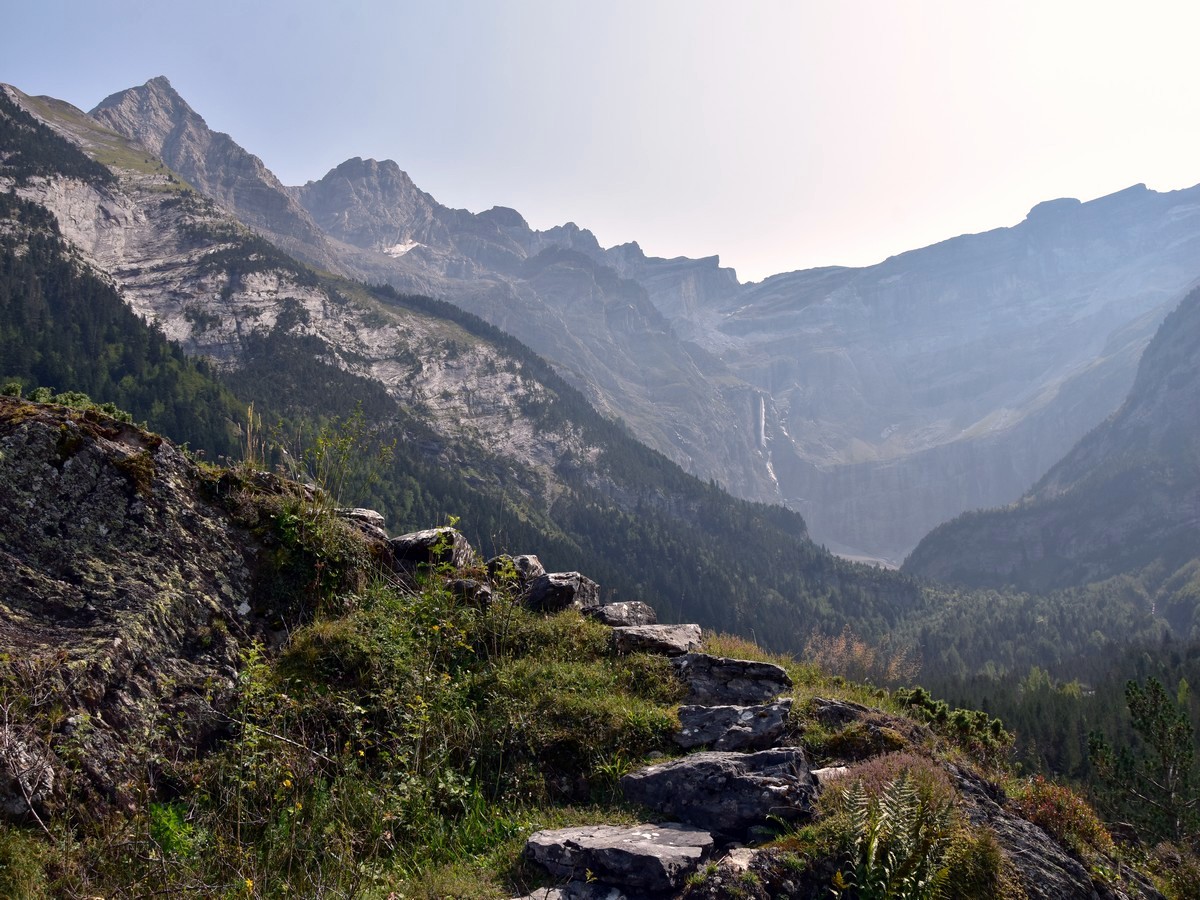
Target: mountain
[
  {"x": 952, "y": 377},
  {"x": 1125, "y": 501},
  {"x": 878, "y": 401},
  {"x": 158, "y": 119},
  {"x": 483, "y": 429},
  {"x": 552, "y": 289}
]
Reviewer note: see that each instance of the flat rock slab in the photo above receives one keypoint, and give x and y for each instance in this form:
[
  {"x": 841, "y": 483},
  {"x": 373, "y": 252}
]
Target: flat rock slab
[
  {"x": 577, "y": 890},
  {"x": 628, "y": 612},
  {"x": 733, "y": 727},
  {"x": 557, "y": 591},
  {"x": 667, "y": 640},
  {"x": 645, "y": 857},
  {"x": 719, "y": 681},
  {"x": 727, "y": 793}
]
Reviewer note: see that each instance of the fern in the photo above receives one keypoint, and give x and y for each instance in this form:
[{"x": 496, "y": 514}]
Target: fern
[{"x": 900, "y": 842}]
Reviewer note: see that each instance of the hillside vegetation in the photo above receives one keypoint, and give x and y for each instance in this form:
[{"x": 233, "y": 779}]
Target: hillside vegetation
[{"x": 357, "y": 729}]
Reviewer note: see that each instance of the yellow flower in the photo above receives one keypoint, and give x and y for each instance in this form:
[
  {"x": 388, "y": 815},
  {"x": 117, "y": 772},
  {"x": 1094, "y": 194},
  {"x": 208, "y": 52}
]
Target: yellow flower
[
  {"x": 249, "y": 885},
  {"x": 287, "y": 782}
]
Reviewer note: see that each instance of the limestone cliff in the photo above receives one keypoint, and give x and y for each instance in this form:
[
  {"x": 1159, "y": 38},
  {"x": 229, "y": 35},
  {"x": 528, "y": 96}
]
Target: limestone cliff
[{"x": 158, "y": 119}]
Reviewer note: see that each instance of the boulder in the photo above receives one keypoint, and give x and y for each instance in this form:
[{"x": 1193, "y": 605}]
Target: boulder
[
  {"x": 727, "y": 793},
  {"x": 644, "y": 857},
  {"x": 667, "y": 640},
  {"x": 368, "y": 521},
  {"x": 471, "y": 591},
  {"x": 837, "y": 713},
  {"x": 524, "y": 569},
  {"x": 733, "y": 727},
  {"x": 718, "y": 681},
  {"x": 432, "y": 547},
  {"x": 561, "y": 590},
  {"x": 628, "y": 612}
]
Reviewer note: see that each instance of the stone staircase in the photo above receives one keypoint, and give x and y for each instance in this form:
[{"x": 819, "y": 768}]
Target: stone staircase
[{"x": 737, "y": 784}]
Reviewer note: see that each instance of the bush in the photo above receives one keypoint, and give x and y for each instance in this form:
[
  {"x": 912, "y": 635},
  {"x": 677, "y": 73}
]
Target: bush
[{"x": 1063, "y": 815}]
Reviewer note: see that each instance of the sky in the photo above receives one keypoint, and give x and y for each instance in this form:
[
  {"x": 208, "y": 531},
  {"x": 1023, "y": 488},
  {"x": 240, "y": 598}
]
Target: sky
[{"x": 779, "y": 135}]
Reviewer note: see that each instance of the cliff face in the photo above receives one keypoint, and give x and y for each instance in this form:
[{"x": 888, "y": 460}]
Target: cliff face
[
  {"x": 1125, "y": 497},
  {"x": 210, "y": 285},
  {"x": 127, "y": 593}
]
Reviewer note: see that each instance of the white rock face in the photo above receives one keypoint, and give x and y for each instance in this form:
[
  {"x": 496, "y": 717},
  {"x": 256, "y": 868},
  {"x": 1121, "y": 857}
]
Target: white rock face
[{"x": 152, "y": 244}]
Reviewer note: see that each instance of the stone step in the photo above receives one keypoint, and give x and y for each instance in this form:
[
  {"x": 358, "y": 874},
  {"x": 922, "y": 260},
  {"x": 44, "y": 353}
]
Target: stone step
[
  {"x": 578, "y": 890},
  {"x": 649, "y": 858},
  {"x": 733, "y": 727},
  {"x": 626, "y": 612},
  {"x": 667, "y": 640},
  {"x": 720, "y": 681},
  {"x": 727, "y": 793}
]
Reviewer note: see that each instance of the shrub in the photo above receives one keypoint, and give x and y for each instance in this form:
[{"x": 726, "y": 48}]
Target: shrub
[{"x": 1063, "y": 815}]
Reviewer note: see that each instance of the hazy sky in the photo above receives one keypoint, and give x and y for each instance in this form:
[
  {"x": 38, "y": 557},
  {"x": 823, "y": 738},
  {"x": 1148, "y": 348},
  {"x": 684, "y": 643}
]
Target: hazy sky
[{"x": 780, "y": 135}]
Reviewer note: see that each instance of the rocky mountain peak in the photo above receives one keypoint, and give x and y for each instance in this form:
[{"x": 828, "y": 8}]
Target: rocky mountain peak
[
  {"x": 150, "y": 114},
  {"x": 159, "y": 119}
]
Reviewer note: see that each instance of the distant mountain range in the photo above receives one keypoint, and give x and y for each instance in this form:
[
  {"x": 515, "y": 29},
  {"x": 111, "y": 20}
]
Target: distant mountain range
[{"x": 878, "y": 401}]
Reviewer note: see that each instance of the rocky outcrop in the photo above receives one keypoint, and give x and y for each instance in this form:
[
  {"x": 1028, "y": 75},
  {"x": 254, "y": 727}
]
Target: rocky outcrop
[
  {"x": 127, "y": 595},
  {"x": 1047, "y": 872}
]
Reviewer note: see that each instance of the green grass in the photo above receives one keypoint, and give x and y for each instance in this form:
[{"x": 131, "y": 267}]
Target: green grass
[{"x": 107, "y": 147}]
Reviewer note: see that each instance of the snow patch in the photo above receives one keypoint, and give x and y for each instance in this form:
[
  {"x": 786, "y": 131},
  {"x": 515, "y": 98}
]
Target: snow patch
[{"x": 401, "y": 248}]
